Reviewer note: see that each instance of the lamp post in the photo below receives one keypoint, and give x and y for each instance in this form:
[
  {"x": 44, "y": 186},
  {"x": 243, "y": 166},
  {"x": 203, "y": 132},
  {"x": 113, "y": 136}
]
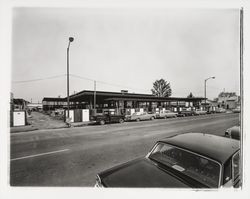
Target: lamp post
[
  {"x": 71, "y": 39},
  {"x": 205, "y": 90}
]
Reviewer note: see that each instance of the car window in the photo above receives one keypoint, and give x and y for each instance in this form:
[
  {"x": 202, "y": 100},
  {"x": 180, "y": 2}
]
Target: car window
[
  {"x": 227, "y": 176},
  {"x": 197, "y": 167},
  {"x": 236, "y": 165}
]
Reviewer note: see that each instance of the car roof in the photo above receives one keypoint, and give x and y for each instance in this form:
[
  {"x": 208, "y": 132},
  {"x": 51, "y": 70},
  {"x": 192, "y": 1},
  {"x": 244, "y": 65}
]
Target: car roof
[{"x": 212, "y": 146}]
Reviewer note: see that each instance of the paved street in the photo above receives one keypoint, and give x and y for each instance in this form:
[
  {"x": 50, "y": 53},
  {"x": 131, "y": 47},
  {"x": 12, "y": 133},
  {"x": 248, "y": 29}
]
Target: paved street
[{"x": 72, "y": 157}]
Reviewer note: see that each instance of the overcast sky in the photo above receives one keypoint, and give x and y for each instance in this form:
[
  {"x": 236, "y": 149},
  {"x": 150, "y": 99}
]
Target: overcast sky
[{"x": 125, "y": 49}]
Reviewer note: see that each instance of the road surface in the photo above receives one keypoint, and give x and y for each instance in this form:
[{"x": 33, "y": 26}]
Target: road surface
[{"x": 72, "y": 157}]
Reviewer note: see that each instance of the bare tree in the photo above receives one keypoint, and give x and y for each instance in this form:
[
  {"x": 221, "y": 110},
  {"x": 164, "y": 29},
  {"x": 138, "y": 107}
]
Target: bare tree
[{"x": 161, "y": 88}]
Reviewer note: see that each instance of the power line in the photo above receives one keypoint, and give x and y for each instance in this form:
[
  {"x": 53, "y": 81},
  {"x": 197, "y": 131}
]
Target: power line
[
  {"x": 79, "y": 77},
  {"x": 107, "y": 83},
  {"x": 38, "y": 79}
]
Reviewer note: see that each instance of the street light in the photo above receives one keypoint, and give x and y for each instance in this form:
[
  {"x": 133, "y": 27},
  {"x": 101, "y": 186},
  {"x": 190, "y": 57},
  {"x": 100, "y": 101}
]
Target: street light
[
  {"x": 206, "y": 91},
  {"x": 71, "y": 39}
]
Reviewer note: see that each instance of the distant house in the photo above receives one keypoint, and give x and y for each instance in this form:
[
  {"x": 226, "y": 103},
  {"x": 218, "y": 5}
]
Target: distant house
[
  {"x": 228, "y": 100},
  {"x": 19, "y": 104}
]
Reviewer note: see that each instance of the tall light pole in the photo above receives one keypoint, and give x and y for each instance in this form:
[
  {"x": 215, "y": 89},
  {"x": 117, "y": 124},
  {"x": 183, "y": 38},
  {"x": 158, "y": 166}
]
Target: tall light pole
[
  {"x": 205, "y": 90},
  {"x": 71, "y": 39}
]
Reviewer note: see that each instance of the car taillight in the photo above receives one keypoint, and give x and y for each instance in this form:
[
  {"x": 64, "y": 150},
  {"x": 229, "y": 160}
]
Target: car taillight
[{"x": 98, "y": 182}]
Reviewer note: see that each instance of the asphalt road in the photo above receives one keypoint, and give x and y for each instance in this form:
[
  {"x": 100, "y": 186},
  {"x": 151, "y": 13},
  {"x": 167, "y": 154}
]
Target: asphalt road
[{"x": 72, "y": 157}]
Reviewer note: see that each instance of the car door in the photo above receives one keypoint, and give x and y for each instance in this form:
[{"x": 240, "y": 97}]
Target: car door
[{"x": 143, "y": 116}]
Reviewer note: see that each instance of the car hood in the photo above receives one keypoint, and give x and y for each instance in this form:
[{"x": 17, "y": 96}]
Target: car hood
[{"x": 140, "y": 173}]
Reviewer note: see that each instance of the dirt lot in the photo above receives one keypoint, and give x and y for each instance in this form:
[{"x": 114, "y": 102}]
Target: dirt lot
[{"x": 42, "y": 121}]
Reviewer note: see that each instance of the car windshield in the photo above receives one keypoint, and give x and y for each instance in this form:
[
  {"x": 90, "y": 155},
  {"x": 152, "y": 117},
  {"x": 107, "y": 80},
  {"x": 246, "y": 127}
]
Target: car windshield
[{"x": 201, "y": 169}]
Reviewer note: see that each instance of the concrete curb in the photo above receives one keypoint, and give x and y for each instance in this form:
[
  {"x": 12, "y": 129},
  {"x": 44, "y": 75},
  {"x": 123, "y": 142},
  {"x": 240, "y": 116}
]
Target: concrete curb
[{"x": 22, "y": 129}]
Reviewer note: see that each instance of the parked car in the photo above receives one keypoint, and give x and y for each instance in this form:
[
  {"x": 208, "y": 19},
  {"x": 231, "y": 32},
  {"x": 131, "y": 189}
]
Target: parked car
[
  {"x": 166, "y": 114},
  {"x": 138, "y": 116},
  {"x": 194, "y": 160},
  {"x": 233, "y": 132},
  {"x": 211, "y": 111},
  {"x": 236, "y": 110},
  {"x": 184, "y": 113},
  {"x": 200, "y": 112},
  {"x": 108, "y": 118},
  {"x": 220, "y": 110}
]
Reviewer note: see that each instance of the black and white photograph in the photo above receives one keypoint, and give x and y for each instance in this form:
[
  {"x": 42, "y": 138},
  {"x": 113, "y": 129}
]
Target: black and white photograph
[{"x": 126, "y": 97}]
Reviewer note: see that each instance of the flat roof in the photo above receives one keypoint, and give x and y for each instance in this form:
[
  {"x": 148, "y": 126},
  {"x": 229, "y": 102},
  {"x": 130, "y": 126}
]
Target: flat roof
[
  {"x": 54, "y": 99},
  {"x": 215, "y": 147},
  {"x": 128, "y": 96}
]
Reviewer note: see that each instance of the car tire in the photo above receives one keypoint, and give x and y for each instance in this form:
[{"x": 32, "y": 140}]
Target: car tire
[
  {"x": 121, "y": 121},
  {"x": 138, "y": 119},
  {"x": 102, "y": 122},
  {"x": 152, "y": 118},
  {"x": 165, "y": 117}
]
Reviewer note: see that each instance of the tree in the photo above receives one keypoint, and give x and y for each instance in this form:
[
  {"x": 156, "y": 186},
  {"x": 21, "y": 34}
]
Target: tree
[
  {"x": 227, "y": 94},
  {"x": 190, "y": 95},
  {"x": 161, "y": 88}
]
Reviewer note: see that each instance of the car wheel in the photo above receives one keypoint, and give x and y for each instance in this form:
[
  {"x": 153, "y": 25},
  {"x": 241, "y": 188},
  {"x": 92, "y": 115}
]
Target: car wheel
[
  {"x": 152, "y": 118},
  {"x": 121, "y": 120},
  {"x": 138, "y": 119},
  {"x": 102, "y": 122},
  {"x": 165, "y": 117}
]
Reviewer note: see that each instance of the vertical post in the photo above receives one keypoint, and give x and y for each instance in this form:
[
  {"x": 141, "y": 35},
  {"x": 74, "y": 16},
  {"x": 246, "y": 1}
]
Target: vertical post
[
  {"x": 71, "y": 39},
  {"x": 205, "y": 94},
  {"x": 241, "y": 58},
  {"x": 94, "y": 97},
  {"x": 68, "y": 81}
]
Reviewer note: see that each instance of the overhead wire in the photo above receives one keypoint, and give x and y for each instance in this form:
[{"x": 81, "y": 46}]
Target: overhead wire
[
  {"x": 79, "y": 77},
  {"x": 107, "y": 83},
  {"x": 38, "y": 79}
]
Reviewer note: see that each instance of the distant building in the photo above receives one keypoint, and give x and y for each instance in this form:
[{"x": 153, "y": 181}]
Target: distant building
[
  {"x": 35, "y": 106},
  {"x": 224, "y": 100},
  {"x": 52, "y": 103},
  {"x": 228, "y": 100},
  {"x": 19, "y": 104}
]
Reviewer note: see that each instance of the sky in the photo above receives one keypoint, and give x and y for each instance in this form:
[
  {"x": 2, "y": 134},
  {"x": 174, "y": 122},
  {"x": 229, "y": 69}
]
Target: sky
[{"x": 124, "y": 49}]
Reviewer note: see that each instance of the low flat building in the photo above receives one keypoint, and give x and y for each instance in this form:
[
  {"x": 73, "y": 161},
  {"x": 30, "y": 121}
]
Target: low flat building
[
  {"x": 52, "y": 103},
  {"x": 120, "y": 101}
]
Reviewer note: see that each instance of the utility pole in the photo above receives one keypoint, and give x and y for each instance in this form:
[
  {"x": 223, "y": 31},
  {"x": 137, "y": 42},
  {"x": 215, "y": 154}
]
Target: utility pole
[
  {"x": 94, "y": 97},
  {"x": 71, "y": 39},
  {"x": 205, "y": 91}
]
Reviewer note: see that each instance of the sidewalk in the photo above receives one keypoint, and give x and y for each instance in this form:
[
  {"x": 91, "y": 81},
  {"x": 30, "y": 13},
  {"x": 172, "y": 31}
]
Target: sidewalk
[{"x": 39, "y": 121}]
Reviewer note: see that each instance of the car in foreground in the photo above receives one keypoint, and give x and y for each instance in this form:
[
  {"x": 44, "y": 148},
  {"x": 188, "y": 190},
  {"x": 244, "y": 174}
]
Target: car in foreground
[
  {"x": 166, "y": 114},
  {"x": 190, "y": 160},
  {"x": 233, "y": 132},
  {"x": 138, "y": 116}
]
